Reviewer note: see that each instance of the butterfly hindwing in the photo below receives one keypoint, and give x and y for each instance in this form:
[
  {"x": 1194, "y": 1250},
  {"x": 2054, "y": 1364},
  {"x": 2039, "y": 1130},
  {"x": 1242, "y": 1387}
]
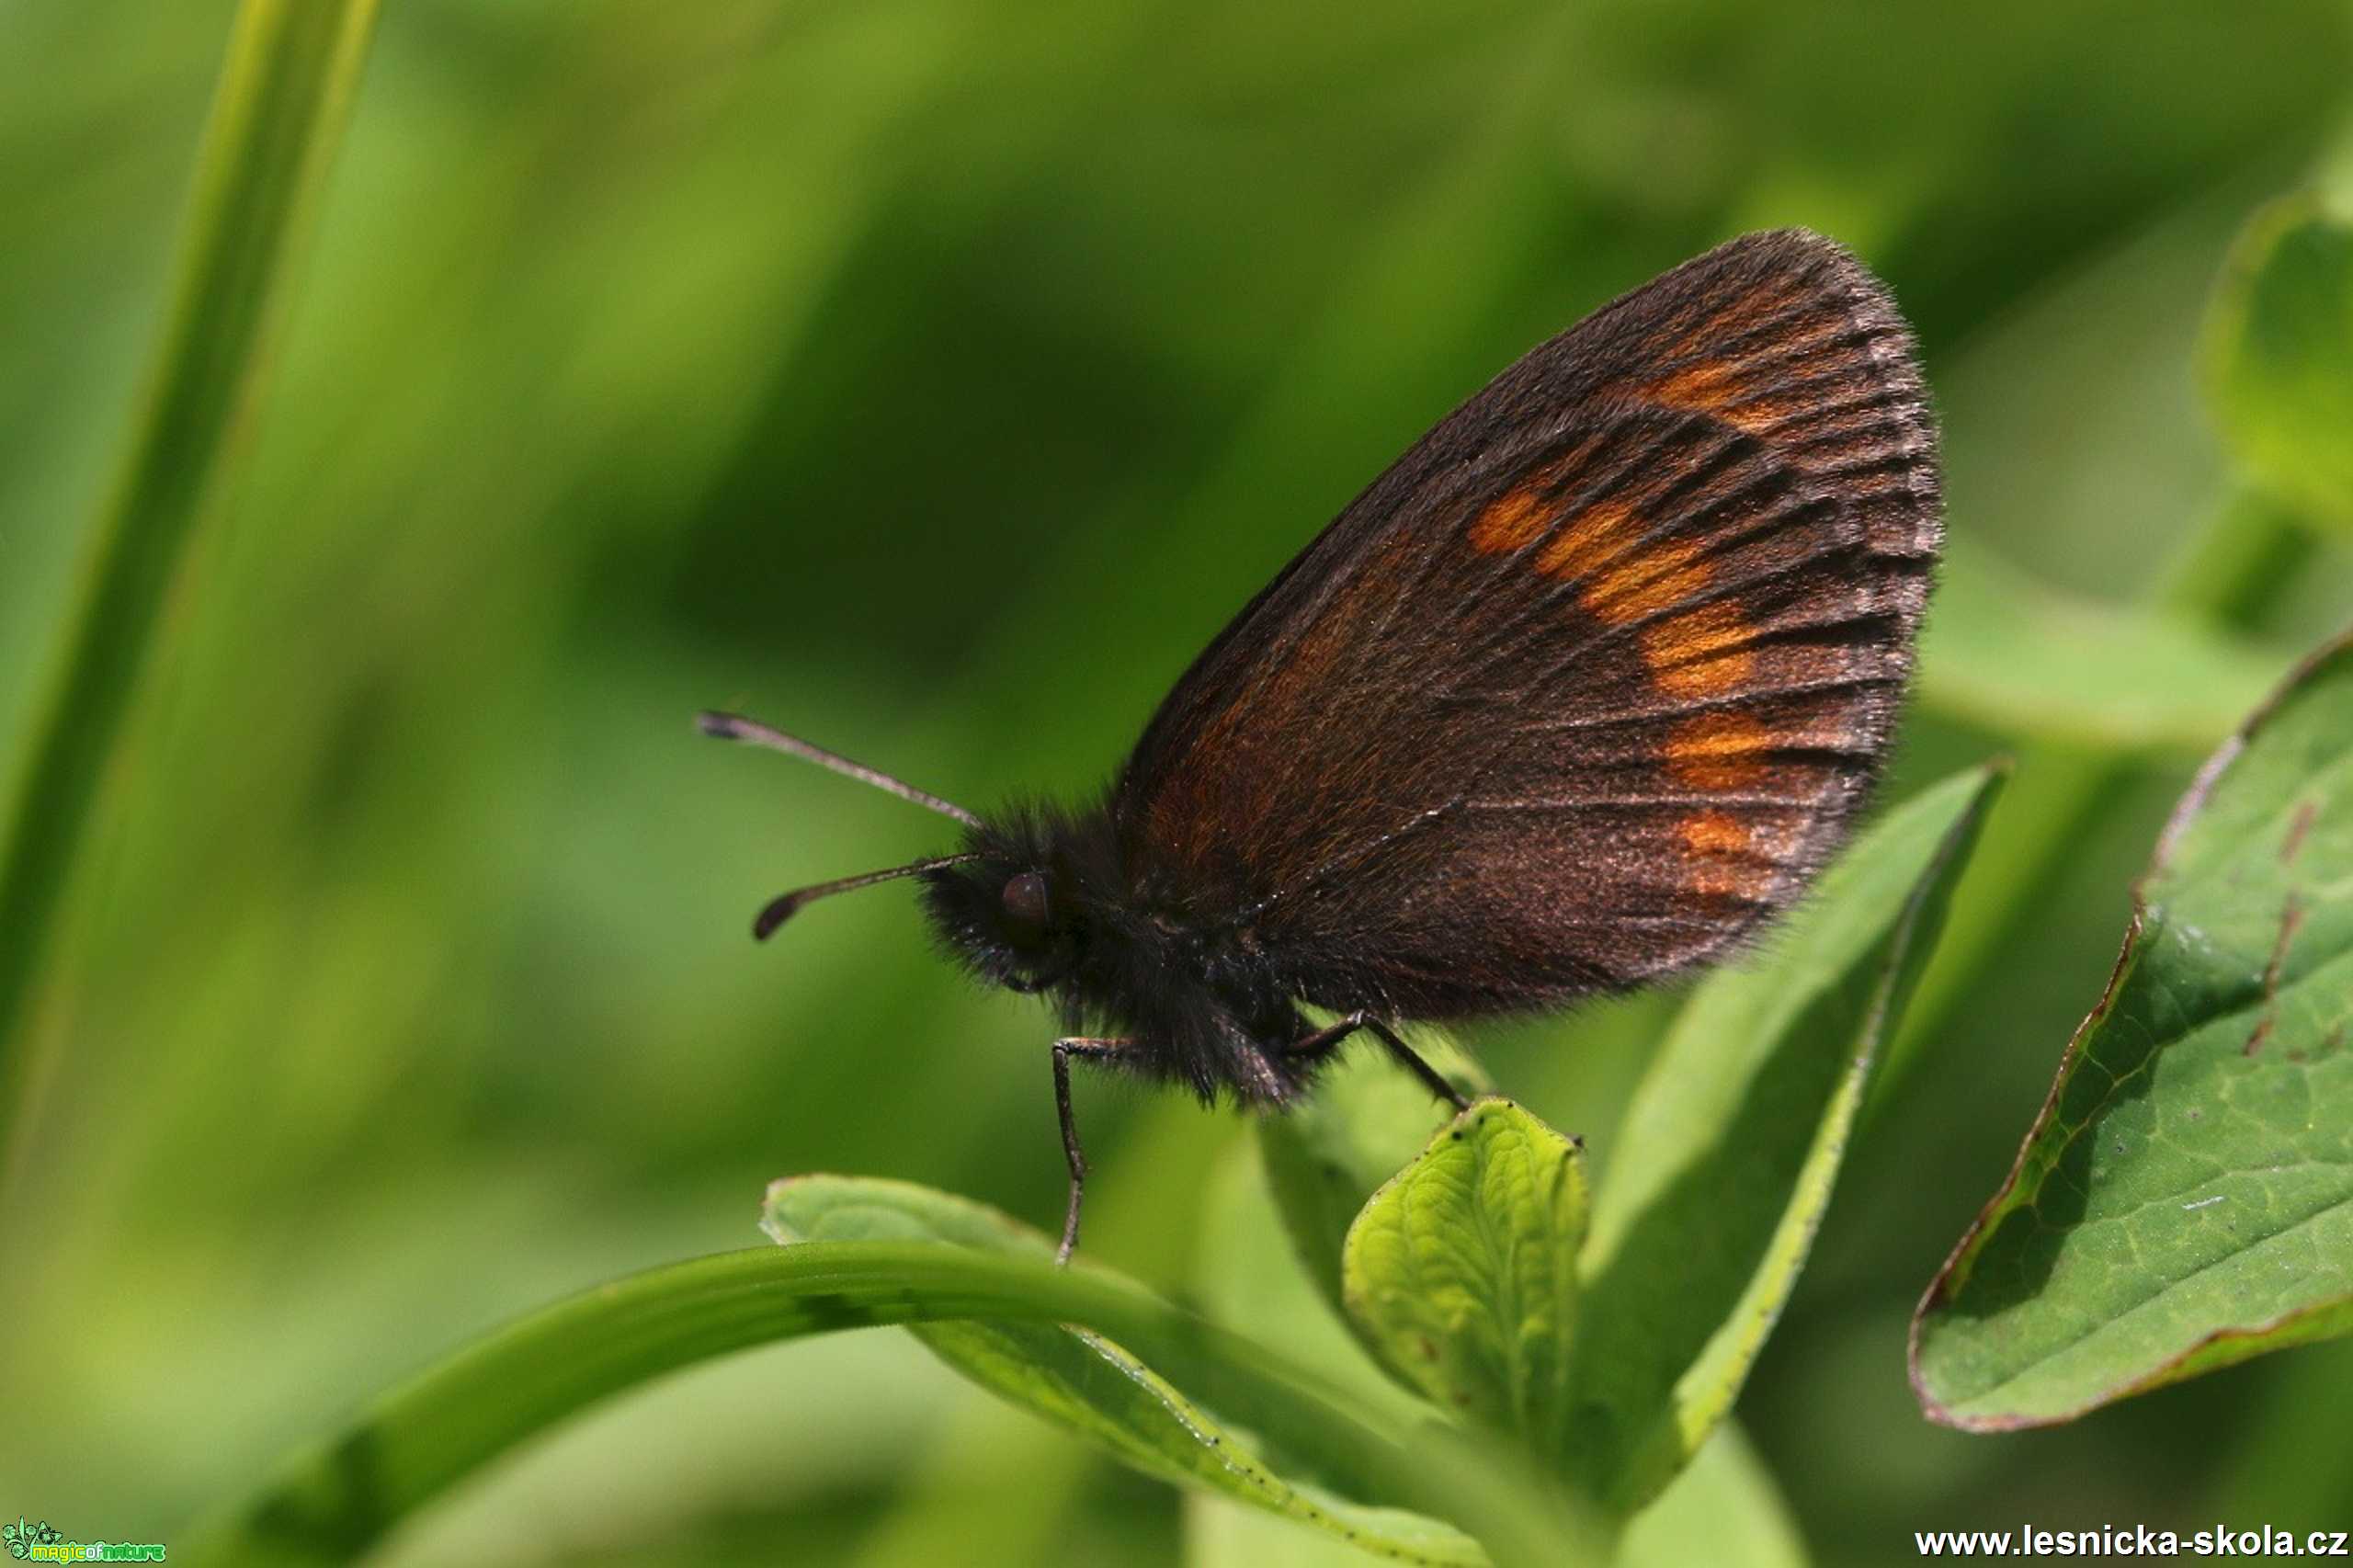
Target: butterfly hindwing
[{"x": 1593, "y": 678}]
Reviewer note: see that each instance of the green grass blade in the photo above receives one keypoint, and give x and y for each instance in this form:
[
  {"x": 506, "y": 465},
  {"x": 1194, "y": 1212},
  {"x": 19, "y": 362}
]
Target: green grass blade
[
  {"x": 330, "y": 1504},
  {"x": 2274, "y": 352},
  {"x": 2243, "y": 557},
  {"x": 2183, "y": 1201},
  {"x": 284, "y": 93}
]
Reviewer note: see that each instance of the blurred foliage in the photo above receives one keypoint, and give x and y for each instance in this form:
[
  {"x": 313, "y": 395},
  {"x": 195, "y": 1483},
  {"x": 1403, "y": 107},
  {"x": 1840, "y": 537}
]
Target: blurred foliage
[
  {"x": 2279, "y": 356},
  {"x": 933, "y": 379}
]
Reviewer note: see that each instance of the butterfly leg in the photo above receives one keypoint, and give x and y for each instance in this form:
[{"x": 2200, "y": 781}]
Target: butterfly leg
[
  {"x": 1326, "y": 1040},
  {"x": 1095, "y": 1050},
  {"x": 1410, "y": 1058}
]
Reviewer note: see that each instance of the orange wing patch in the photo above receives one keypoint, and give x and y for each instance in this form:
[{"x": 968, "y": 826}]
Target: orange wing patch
[
  {"x": 1624, "y": 579},
  {"x": 1713, "y": 387},
  {"x": 1598, "y": 535},
  {"x": 1715, "y": 834},
  {"x": 1722, "y": 750},
  {"x": 1696, "y": 652},
  {"x": 1727, "y": 859},
  {"x": 1514, "y": 521},
  {"x": 1730, "y": 391},
  {"x": 1738, "y": 388},
  {"x": 1646, "y": 584},
  {"x": 1700, "y": 653}
]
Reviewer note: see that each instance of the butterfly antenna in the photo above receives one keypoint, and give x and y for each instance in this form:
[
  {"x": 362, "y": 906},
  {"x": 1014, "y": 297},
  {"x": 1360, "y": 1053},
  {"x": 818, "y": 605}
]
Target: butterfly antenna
[
  {"x": 735, "y": 727},
  {"x": 784, "y": 906}
]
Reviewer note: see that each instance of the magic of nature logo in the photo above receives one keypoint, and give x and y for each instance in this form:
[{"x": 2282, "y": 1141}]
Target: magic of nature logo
[{"x": 44, "y": 1542}]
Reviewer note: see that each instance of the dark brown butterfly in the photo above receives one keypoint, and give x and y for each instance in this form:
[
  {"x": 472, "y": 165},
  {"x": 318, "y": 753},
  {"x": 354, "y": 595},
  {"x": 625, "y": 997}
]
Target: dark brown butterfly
[{"x": 1588, "y": 684}]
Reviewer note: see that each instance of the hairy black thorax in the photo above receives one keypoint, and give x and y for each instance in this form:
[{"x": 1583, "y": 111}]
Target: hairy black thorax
[{"x": 1117, "y": 952}]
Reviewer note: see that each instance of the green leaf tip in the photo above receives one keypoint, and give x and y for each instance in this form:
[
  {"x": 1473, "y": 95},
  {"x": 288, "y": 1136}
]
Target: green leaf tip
[{"x": 2184, "y": 1200}]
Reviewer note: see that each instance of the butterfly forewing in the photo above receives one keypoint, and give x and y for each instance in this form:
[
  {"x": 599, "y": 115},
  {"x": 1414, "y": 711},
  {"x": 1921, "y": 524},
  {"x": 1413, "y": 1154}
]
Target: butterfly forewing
[{"x": 1591, "y": 680}]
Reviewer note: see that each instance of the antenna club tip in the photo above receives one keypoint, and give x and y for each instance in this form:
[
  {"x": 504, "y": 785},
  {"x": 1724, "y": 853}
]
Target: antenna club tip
[
  {"x": 725, "y": 726},
  {"x": 775, "y": 912}
]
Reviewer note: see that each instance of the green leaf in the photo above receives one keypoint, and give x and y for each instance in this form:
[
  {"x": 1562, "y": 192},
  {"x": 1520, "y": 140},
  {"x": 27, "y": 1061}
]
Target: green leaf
[
  {"x": 1721, "y": 1172},
  {"x": 1325, "y": 1156},
  {"x": 2279, "y": 356},
  {"x": 1082, "y": 1380},
  {"x": 2185, "y": 1200},
  {"x": 1461, "y": 1271},
  {"x": 2009, "y": 653},
  {"x": 276, "y": 116}
]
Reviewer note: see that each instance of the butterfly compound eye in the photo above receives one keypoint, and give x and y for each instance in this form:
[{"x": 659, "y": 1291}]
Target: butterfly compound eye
[{"x": 1025, "y": 900}]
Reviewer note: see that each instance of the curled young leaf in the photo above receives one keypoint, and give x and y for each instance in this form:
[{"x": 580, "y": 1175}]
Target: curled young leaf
[{"x": 1462, "y": 1272}]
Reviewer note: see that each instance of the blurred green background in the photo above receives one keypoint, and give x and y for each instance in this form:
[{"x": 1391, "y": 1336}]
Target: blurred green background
[{"x": 934, "y": 378}]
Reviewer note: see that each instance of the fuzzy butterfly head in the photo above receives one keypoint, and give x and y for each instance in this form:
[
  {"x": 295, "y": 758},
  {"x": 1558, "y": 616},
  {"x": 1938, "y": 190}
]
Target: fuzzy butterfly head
[{"x": 1020, "y": 906}]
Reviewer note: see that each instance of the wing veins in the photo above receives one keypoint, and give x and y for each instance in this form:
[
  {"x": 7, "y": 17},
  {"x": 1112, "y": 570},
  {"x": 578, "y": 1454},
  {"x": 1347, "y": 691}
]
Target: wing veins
[{"x": 1710, "y": 801}]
